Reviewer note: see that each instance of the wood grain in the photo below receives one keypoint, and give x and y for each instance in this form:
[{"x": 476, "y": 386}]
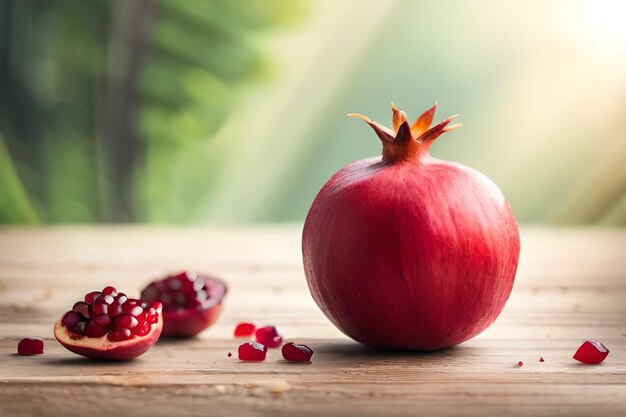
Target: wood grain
[{"x": 571, "y": 286}]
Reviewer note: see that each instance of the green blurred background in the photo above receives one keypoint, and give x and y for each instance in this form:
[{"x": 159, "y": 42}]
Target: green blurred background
[{"x": 233, "y": 111}]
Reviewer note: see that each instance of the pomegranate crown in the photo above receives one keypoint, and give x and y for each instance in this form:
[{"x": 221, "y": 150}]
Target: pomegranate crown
[{"x": 406, "y": 141}]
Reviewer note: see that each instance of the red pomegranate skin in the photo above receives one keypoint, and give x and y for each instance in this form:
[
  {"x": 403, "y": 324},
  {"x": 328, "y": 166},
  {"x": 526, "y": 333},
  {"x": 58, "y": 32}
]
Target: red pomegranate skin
[{"x": 410, "y": 254}]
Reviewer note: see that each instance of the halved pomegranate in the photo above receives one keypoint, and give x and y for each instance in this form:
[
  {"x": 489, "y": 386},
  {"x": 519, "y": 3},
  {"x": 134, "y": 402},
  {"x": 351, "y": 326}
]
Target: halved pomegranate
[
  {"x": 109, "y": 325},
  {"x": 191, "y": 302}
]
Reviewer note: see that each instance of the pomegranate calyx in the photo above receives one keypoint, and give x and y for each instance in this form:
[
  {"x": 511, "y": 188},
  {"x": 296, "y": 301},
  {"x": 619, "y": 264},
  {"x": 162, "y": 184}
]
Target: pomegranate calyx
[{"x": 407, "y": 142}]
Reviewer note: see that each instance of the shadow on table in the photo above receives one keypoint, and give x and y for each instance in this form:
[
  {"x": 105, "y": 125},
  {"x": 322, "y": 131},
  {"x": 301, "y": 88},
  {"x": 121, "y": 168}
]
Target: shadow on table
[{"x": 354, "y": 350}]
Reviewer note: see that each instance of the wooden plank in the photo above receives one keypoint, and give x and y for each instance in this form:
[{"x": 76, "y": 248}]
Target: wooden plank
[{"x": 571, "y": 286}]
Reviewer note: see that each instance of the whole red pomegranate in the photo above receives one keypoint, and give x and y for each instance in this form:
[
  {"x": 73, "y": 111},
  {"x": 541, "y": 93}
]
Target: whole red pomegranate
[{"x": 408, "y": 251}]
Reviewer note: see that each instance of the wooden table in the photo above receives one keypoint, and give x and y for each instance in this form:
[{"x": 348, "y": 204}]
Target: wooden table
[{"x": 571, "y": 286}]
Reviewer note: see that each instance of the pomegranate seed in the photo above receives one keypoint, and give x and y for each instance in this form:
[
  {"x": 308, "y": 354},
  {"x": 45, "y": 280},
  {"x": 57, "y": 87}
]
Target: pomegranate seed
[
  {"x": 79, "y": 328},
  {"x": 70, "y": 318},
  {"x": 119, "y": 334},
  {"x": 102, "y": 320},
  {"x": 244, "y": 329},
  {"x": 91, "y": 297},
  {"x": 268, "y": 336},
  {"x": 175, "y": 284},
  {"x": 296, "y": 352},
  {"x": 591, "y": 352},
  {"x": 30, "y": 346},
  {"x": 107, "y": 298},
  {"x": 252, "y": 351},
  {"x": 133, "y": 310},
  {"x": 100, "y": 309},
  {"x": 127, "y": 322},
  {"x": 520, "y": 363},
  {"x": 142, "y": 330},
  {"x": 115, "y": 309},
  {"x": 121, "y": 298},
  {"x": 81, "y": 308},
  {"x": 229, "y": 354},
  {"x": 93, "y": 330},
  {"x": 109, "y": 291},
  {"x": 198, "y": 284},
  {"x": 541, "y": 359}
]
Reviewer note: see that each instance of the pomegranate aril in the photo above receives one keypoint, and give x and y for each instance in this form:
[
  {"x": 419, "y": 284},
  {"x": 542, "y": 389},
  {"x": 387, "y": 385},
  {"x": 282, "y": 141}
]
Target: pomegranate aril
[
  {"x": 229, "y": 354},
  {"x": 132, "y": 309},
  {"x": 150, "y": 293},
  {"x": 520, "y": 363},
  {"x": 244, "y": 329},
  {"x": 541, "y": 359},
  {"x": 107, "y": 298},
  {"x": 252, "y": 351},
  {"x": 102, "y": 320},
  {"x": 99, "y": 309},
  {"x": 142, "y": 330},
  {"x": 268, "y": 336},
  {"x": 91, "y": 297},
  {"x": 591, "y": 352},
  {"x": 93, "y": 330},
  {"x": 109, "y": 291},
  {"x": 79, "y": 328},
  {"x": 115, "y": 309},
  {"x": 296, "y": 352},
  {"x": 179, "y": 298},
  {"x": 70, "y": 318},
  {"x": 198, "y": 284},
  {"x": 81, "y": 308},
  {"x": 175, "y": 284},
  {"x": 119, "y": 334},
  {"x": 127, "y": 322},
  {"x": 121, "y": 298},
  {"x": 30, "y": 346}
]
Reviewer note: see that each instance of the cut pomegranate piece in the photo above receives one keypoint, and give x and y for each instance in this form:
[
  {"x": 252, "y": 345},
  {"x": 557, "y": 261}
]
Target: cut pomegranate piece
[
  {"x": 244, "y": 330},
  {"x": 98, "y": 328},
  {"x": 296, "y": 352},
  {"x": 30, "y": 346},
  {"x": 191, "y": 302},
  {"x": 268, "y": 336},
  {"x": 252, "y": 351},
  {"x": 591, "y": 352}
]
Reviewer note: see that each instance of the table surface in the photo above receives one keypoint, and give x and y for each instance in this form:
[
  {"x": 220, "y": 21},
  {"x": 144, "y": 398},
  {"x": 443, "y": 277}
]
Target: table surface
[{"x": 571, "y": 286}]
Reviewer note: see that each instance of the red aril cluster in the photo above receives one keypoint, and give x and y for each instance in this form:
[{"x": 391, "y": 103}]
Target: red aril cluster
[
  {"x": 191, "y": 302},
  {"x": 110, "y": 313},
  {"x": 30, "y": 346},
  {"x": 109, "y": 325}
]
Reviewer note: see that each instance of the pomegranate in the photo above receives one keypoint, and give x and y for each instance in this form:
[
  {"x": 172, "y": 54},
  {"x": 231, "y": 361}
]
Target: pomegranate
[
  {"x": 591, "y": 352},
  {"x": 295, "y": 352},
  {"x": 268, "y": 336},
  {"x": 109, "y": 325},
  {"x": 252, "y": 351},
  {"x": 191, "y": 302},
  {"x": 407, "y": 251},
  {"x": 30, "y": 346}
]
